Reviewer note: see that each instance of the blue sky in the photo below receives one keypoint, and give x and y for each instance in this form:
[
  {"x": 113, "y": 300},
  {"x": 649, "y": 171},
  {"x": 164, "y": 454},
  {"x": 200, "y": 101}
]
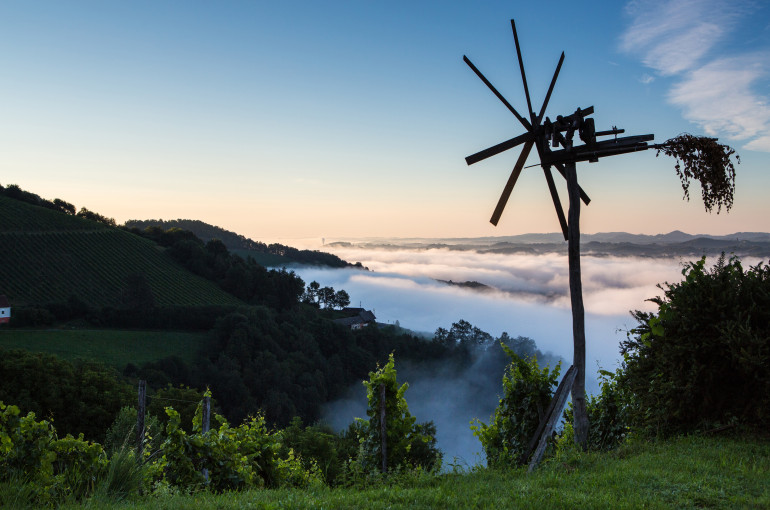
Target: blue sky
[{"x": 300, "y": 119}]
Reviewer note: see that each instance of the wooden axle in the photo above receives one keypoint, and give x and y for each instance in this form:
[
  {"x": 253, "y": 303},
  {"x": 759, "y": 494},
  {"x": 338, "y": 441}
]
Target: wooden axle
[{"x": 598, "y": 150}]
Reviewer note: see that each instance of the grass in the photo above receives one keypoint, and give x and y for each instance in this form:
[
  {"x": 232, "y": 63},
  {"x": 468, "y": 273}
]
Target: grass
[
  {"x": 690, "y": 472},
  {"x": 112, "y": 347}
]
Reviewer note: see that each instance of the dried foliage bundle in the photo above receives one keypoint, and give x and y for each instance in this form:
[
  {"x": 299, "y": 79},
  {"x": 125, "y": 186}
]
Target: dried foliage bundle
[{"x": 702, "y": 158}]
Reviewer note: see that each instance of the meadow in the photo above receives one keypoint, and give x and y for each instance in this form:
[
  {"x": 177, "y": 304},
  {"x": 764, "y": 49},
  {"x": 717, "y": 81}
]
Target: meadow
[
  {"x": 111, "y": 347},
  {"x": 686, "y": 472}
]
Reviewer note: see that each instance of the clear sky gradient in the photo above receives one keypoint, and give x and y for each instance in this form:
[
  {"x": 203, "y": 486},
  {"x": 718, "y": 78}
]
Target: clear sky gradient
[{"x": 329, "y": 119}]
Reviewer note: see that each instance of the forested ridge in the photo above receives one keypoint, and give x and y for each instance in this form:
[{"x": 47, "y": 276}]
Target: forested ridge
[{"x": 242, "y": 244}]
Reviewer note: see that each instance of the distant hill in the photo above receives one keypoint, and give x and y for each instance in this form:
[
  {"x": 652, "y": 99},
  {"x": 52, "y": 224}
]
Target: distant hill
[
  {"x": 267, "y": 255},
  {"x": 551, "y": 238},
  {"x": 47, "y": 256},
  {"x": 673, "y": 244}
]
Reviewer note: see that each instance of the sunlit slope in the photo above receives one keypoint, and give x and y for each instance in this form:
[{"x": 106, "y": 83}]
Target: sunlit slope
[{"x": 47, "y": 256}]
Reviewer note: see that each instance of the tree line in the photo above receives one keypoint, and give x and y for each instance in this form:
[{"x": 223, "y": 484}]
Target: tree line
[
  {"x": 234, "y": 241},
  {"x": 57, "y": 204}
]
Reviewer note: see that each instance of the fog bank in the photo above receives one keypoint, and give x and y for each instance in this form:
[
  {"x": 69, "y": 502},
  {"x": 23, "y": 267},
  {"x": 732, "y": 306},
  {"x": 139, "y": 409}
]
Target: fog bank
[{"x": 531, "y": 300}]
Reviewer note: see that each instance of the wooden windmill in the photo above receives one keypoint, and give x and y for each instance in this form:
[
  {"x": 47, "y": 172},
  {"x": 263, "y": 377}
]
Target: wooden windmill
[{"x": 554, "y": 143}]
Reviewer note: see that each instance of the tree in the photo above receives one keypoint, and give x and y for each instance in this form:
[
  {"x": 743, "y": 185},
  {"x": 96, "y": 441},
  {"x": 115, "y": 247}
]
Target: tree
[
  {"x": 341, "y": 299},
  {"x": 326, "y": 297},
  {"x": 64, "y": 207},
  {"x": 311, "y": 293}
]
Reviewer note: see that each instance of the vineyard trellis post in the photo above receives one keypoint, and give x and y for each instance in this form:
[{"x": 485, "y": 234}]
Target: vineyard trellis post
[
  {"x": 205, "y": 424},
  {"x": 383, "y": 430},
  {"x": 141, "y": 410}
]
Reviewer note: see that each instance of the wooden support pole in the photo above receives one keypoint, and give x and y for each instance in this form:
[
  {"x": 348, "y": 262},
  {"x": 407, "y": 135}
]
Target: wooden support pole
[
  {"x": 565, "y": 388},
  {"x": 206, "y": 418},
  {"x": 205, "y": 424},
  {"x": 140, "y": 412},
  {"x": 578, "y": 313},
  {"x": 383, "y": 430},
  {"x": 557, "y": 405}
]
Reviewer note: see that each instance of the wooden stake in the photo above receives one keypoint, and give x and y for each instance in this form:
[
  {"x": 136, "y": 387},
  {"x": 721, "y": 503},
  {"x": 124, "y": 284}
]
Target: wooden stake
[
  {"x": 578, "y": 313},
  {"x": 569, "y": 377},
  {"x": 140, "y": 412},
  {"x": 559, "y": 399},
  {"x": 383, "y": 430},
  {"x": 205, "y": 420}
]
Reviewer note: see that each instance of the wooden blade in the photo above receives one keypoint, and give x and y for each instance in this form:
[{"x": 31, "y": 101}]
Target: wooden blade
[
  {"x": 563, "y": 173},
  {"x": 511, "y": 183},
  {"x": 483, "y": 78},
  {"x": 555, "y": 198},
  {"x": 500, "y": 147},
  {"x": 550, "y": 89},
  {"x": 523, "y": 76}
]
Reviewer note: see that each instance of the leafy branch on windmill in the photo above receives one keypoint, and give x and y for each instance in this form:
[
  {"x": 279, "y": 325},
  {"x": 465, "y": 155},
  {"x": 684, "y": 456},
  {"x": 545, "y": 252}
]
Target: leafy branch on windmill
[{"x": 697, "y": 158}]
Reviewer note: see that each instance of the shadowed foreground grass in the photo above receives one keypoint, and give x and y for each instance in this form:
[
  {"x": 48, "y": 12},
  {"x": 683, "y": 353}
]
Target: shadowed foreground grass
[{"x": 692, "y": 472}]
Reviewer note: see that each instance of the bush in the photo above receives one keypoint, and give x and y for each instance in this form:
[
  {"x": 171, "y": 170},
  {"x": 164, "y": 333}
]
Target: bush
[
  {"x": 80, "y": 397},
  {"x": 314, "y": 445},
  {"x": 247, "y": 456},
  {"x": 53, "y": 468},
  {"x": 122, "y": 433},
  {"x": 527, "y": 392},
  {"x": 408, "y": 444},
  {"x": 704, "y": 359},
  {"x": 607, "y": 415}
]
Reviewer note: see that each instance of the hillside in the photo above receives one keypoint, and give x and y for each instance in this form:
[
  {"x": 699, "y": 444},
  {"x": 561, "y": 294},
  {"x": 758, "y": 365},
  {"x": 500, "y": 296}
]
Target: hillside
[
  {"x": 274, "y": 255},
  {"x": 47, "y": 256}
]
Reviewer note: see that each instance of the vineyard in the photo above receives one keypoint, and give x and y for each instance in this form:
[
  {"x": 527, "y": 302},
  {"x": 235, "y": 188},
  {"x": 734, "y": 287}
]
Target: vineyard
[
  {"x": 20, "y": 216},
  {"x": 46, "y": 256}
]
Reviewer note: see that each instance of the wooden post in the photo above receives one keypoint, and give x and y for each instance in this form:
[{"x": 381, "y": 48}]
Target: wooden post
[
  {"x": 383, "y": 430},
  {"x": 140, "y": 412},
  {"x": 206, "y": 418},
  {"x": 557, "y": 405},
  {"x": 564, "y": 387},
  {"x": 578, "y": 314},
  {"x": 205, "y": 423}
]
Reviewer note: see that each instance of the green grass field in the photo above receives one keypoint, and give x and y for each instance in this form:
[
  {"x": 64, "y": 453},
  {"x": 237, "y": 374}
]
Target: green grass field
[
  {"x": 691, "y": 472},
  {"x": 112, "y": 347}
]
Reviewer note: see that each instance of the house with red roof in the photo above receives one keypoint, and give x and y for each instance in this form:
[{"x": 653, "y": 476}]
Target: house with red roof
[{"x": 5, "y": 309}]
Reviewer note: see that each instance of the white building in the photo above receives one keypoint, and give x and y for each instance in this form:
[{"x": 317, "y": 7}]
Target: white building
[{"x": 5, "y": 309}]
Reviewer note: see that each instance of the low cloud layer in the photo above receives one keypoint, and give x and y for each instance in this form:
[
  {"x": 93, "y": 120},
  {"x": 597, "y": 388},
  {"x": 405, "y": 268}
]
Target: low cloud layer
[
  {"x": 532, "y": 299},
  {"x": 718, "y": 92},
  {"x": 533, "y": 302}
]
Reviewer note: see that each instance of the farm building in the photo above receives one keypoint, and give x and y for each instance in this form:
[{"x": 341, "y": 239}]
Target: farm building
[
  {"x": 358, "y": 319},
  {"x": 5, "y": 309}
]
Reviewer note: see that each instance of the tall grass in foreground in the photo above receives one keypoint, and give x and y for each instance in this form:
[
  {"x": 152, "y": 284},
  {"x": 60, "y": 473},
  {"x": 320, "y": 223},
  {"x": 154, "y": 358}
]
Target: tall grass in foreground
[
  {"x": 689, "y": 472},
  {"x": 123, "y": 478}
]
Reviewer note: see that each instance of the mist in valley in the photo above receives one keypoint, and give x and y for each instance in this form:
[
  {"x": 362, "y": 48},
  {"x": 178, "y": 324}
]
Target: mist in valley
[{"x": 527, "y": 296}]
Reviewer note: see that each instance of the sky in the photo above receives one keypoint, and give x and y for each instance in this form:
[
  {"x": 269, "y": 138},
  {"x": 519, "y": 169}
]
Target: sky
[{"x": 306, "y": 119}]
